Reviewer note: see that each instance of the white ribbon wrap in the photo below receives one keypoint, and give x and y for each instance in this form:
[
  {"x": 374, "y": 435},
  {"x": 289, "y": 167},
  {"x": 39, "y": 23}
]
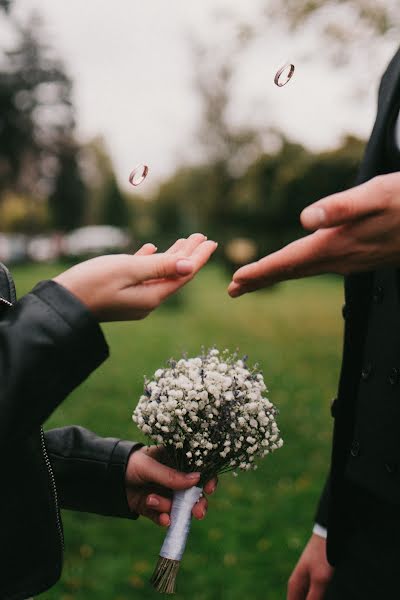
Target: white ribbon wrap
[{"x": 175, "y": 540}]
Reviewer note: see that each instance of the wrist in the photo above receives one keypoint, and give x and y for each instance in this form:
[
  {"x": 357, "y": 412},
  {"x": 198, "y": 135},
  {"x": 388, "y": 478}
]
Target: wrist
[
  {"x": 76, "y": 290},
  {"x": 320, "y": 531}
]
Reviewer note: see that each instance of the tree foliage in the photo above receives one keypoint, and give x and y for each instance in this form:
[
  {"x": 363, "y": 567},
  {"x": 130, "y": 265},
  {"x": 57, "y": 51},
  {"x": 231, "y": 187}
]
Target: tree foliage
[
  {"x": 38, "y": 153},
  {"x": 377, "y": 16},
  {"x": 115, "y": 210},
  {"x": 36, "y": 112},
  {"x": 67, "y": 202},
  {"x": 5, "y": 5},
  {"x": 343, "y": 26}
]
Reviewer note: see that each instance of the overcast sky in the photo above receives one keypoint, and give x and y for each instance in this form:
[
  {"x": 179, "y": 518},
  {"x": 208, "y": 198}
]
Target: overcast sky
[{"x": 132, "y": 67}]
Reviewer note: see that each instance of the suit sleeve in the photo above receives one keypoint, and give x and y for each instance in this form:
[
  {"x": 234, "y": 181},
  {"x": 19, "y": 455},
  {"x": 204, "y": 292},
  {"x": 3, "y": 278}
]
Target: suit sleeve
[
  {"x": 322, "y": 513},
  {"x": 90, "y": 470},
  {"x": 49, "y": 344}
]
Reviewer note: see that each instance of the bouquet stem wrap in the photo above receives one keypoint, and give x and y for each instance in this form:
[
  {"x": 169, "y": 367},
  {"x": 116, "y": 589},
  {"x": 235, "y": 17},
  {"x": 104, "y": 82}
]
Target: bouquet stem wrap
[{"x": 172, "y": 550}]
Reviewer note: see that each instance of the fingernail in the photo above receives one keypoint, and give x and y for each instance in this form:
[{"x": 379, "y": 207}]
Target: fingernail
[
  {"x": 313, "y": 217},
  {"x": 152, "y": 501},
  {"x": 192, "y": 476},
  {"x": 184, "y": 266},
  {"x": 203, "y": 514}
]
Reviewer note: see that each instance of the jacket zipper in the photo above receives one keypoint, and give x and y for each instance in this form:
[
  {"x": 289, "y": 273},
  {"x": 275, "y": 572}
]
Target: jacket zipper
[
  {"x": 5, "y": 301},
  {"x": 50, "y": 471},
  {"x": 54, "y": 487}
]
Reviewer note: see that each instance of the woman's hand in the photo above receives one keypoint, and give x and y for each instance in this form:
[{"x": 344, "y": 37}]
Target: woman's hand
[
  {"x": 149, "y": 486},
  {"x": 124, "y": 287},
  {"x": 355, "y": 230}
]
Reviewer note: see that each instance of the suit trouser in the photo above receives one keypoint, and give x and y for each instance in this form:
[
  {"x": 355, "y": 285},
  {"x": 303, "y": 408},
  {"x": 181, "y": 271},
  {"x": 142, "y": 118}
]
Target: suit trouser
[{"x": 369, "y": 563}]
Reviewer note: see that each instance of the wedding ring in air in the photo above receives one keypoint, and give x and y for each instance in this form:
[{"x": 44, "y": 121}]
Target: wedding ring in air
[
  {"x": 284, "y": 75},
  {"x": 138, "y": 175}
]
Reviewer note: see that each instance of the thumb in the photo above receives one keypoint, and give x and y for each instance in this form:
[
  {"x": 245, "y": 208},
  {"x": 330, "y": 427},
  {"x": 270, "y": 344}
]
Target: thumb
[
  {"x": 347, "y": 206},
  {"x": 161, "y": 266},
  {"x": 151, "y": 471}
]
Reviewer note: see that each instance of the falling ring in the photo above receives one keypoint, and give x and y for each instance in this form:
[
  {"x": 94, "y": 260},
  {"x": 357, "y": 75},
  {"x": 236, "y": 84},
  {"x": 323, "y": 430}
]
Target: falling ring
[
  {"x": 289, "y": 69},
  {"x": 138, "y": 175}
]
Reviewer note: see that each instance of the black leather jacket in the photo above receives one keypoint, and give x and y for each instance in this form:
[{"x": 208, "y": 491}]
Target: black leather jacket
[{"x": 49, "y": 343}]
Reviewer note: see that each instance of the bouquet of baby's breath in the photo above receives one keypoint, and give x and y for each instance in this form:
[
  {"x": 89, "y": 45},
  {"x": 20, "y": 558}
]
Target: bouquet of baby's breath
[{"x": 211, "y": 415}]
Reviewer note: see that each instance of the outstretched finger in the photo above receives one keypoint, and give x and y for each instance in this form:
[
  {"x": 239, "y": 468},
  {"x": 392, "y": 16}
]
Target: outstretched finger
[
  {"x": 146, "y": 250},
  {"x": 198, "y": 259},
  {"x": 193, "y": 242},
  {"x": 160, "y": 266},
  {"x": 239, "y": 289},
  {"x": 301, "y": 258},
  {"x": 176, "y": 247}
]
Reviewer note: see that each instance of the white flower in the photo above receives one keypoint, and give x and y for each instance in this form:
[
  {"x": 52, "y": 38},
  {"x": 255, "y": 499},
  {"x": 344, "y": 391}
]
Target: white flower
[{"x": 214, "y": 408}]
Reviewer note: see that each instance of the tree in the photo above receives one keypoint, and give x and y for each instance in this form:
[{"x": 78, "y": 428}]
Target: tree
[
  {"x": 228, "y": 148},
  {"x": 374, "y": 17},
  {"x": 5, "y": 5},
  {"x": 67, "y": 202},
  {"x": 115, "y": 210},
  {"x": 350, "y": 32},
  {"x": 36, "y": 112}
]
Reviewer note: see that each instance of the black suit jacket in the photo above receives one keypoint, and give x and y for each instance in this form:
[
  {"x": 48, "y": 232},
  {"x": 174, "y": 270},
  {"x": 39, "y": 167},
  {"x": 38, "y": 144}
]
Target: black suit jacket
[{"x": 372, "y": 327}]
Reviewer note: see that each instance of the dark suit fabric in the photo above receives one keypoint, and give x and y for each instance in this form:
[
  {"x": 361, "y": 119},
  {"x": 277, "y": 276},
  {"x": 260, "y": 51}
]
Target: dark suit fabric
[{"x": 360, "y": 504}]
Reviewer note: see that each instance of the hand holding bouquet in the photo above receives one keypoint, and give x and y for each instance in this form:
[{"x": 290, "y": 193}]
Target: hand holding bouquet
[{"x": 210, "y": 415}]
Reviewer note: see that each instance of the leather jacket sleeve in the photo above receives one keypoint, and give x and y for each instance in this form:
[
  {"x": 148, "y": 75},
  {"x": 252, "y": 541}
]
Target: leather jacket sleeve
[
  {"x": 90, "y": 470},
  {"x": 49, "y": 343}
]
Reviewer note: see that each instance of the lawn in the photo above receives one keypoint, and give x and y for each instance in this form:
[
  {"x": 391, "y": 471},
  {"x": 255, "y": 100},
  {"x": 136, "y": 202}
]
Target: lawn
[{"x": 257, "y": 523}]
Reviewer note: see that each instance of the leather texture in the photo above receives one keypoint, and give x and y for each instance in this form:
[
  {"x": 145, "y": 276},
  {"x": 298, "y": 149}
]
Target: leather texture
[{"x": 49, "y": 344}]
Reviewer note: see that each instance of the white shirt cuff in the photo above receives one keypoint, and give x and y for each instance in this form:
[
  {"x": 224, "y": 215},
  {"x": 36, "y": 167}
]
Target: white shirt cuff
[{"x": 319, "y": 530}]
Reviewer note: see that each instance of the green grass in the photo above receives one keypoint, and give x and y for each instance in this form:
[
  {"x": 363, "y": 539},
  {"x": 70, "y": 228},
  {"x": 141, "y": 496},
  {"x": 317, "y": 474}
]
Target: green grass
[{"x": 257, "y": 523}]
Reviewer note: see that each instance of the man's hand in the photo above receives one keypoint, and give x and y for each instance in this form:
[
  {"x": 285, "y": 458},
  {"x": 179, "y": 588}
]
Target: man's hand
[
  {"x": 149, "y": 486},
  {"x": 312, "y": 573},
  {"x": 124, "y": 287},
  {"x": 355, "y": 230}
]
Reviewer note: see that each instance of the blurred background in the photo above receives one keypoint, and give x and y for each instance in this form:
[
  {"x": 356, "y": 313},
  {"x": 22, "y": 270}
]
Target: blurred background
[{"x": 89, "y": 90}]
